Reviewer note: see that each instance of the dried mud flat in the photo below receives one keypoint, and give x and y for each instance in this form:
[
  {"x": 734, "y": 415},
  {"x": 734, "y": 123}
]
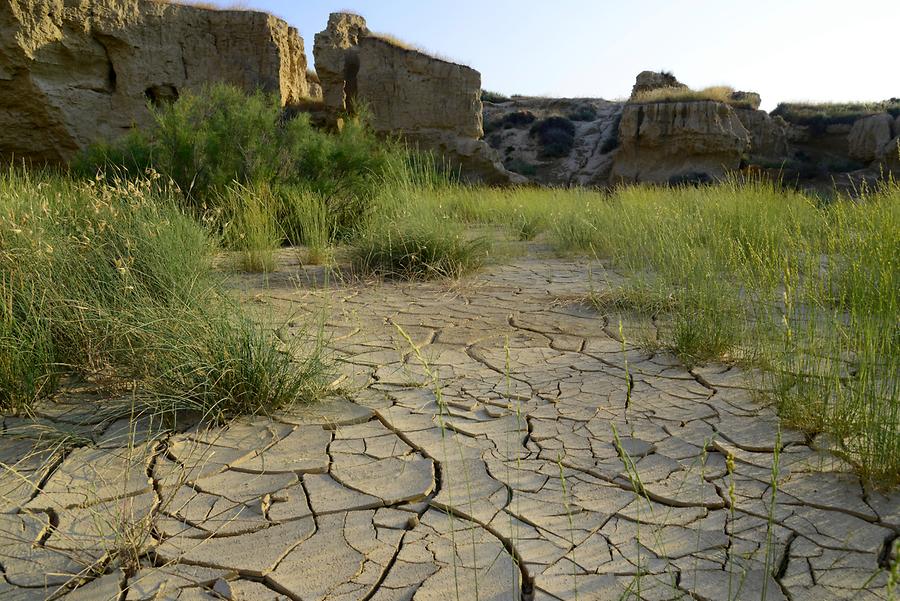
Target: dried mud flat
[{"x": 496, "y": 440}]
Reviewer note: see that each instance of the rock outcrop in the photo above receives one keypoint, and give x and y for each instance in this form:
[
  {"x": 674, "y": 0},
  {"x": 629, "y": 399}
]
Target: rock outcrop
[
  {"x": 679, "y": 141},
  {"x": 769, "y": 136},
  {"x": 869, "y": 136},
  {"x": 432, "y": 103},
  {"x": 337, "y": 58},
  {"x": 508, "y": 129},
  {"x": 750, "y": 100},
  {"x": 73, "y": 72},
  {"x": 407, "y": 91},
  {"x": 890, "y": 158},
  {"x": 647, "y": 81}
]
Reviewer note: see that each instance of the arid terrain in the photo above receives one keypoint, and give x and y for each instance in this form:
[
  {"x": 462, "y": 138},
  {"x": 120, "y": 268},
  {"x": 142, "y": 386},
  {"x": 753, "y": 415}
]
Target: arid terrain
[
  {"x": 374, "y": 333},
  {"x": 495, "y": 440}
]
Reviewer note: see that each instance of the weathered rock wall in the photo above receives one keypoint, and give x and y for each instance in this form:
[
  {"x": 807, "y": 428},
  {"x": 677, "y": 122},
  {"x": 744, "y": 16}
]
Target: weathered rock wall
[
  {"x": 73, "y": 71},
  {"x": 433, "y": 104},
  {"x": 769, "y": 136},
  {"x": 666, "y": 142},
  {"x": 595, "y": 122},
  {"x": 336, "y": 50},
  {"x": 408, "y": 91}
]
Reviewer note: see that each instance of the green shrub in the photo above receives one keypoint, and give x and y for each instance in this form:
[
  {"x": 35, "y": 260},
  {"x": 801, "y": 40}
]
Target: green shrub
[
  {"x": 556, "y": 135},
  {"x": 207, "y": 141},
  {"x": 494, "y": 97},
  {"x": 522, "y": 167},
  {"x": 583, "y": 113}
]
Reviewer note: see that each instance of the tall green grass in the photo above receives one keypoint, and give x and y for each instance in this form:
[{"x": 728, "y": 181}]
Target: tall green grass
[
  {"x": 117, "y": 279},
  {"x": 407, "y": 236},
  {"x": 806, "y": 291},
  {"x": 809, "y": 292}
]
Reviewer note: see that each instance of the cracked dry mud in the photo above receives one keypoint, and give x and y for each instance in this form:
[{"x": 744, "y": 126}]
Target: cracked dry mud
[{"x": 532, "y": 456}]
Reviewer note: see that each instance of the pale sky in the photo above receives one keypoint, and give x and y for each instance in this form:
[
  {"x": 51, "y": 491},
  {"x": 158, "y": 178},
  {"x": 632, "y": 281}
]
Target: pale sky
[{"x": 817, "y": 50}]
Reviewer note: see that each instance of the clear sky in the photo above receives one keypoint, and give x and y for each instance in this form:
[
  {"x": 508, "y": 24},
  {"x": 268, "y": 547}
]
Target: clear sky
[{"x": 818, "y": 50}]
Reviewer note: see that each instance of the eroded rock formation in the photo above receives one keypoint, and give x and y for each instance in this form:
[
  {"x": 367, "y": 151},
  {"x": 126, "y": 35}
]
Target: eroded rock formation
[
  {"x": 869, "y": 136},
  {"x": 508, "y": 129},
  {"x": 337, "y": 58},
  {"x": 769, "y": 136},
  {"x": 408, "y": 91},
  {"x": 647, "y": 81},
  {"x": 432, "y": 103},
  {"x": 73, "y": 72},
  {"x": 675, "y": 141}
]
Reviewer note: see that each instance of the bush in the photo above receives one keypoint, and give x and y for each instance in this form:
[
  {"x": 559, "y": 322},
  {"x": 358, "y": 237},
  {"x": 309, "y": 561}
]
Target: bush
[
  {"x": 583, "y": 113},
  {"x": 518, "y": 119},
  {"x": 522, "y": 168},
  {"x": 556, "y": 135},
  {"x": 207, "y": 141},
  {"x": 493, "y": 97},
  {"x": 512, "y": 120}
]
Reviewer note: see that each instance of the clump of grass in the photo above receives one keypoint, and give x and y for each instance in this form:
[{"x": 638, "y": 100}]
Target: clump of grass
[
  {"x": 307, "y": 222},
  {"x": 117, "y": 279},
  {"x": 421, "y": 247},
  {"x": 251, "y": 225},
  {"x": 749, "y": 272},
  {"x": 410, "y": 237},
  {"x": 226, "y": 366},
  {"x": 724, "y": 94}
]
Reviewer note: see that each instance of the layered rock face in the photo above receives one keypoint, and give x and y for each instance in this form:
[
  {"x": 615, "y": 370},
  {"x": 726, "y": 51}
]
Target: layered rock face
[
  {"x": 869, "y": 136},
  {"x": 408, "y": 91},
  {"x": 432, "y": 103},
  {"x": 337, "y": 58},
  {"x": 508, "y": 129},
  {"x": 675, "y": 141},
  {"x": 769, "y": 136},
  {"x": 74, "y": 72}
]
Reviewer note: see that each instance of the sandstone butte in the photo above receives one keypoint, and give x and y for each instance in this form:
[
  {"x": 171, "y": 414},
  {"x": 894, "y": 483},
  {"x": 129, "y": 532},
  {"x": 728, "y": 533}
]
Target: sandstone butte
[{"x": 74, "y": 72}]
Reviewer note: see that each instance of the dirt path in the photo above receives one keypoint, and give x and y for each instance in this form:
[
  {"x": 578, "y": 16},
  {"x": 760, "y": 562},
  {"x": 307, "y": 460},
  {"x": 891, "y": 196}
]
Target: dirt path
[{"x": 497, "y": 441}]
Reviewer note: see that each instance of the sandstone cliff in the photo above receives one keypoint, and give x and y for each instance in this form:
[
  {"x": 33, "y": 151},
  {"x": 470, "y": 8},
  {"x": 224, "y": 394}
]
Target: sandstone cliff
[
  {"x": 408, "y": 91},
  {"x": 769, "y": 136},
  {"x": 431, "y": 103},
  {"x": 75, "y": 71},
  {"x": 869, "y": 136},
  {"x": 675, "y": 141}
]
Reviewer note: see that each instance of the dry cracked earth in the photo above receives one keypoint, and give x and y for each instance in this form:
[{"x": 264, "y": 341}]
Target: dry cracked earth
[{"x": 496, "y": 440}]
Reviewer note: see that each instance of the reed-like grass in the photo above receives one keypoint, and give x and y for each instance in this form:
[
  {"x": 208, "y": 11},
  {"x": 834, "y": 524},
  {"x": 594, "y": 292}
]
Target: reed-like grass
[
  {"x": 116, "y": 279},
  {"x": 749, "y": 272}
]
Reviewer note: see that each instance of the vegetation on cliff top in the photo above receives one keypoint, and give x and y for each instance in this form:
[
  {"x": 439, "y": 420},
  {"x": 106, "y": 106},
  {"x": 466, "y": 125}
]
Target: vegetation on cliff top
[
  {"x": 724, "y": 94},
  {"x": 822, "y": 115}
]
